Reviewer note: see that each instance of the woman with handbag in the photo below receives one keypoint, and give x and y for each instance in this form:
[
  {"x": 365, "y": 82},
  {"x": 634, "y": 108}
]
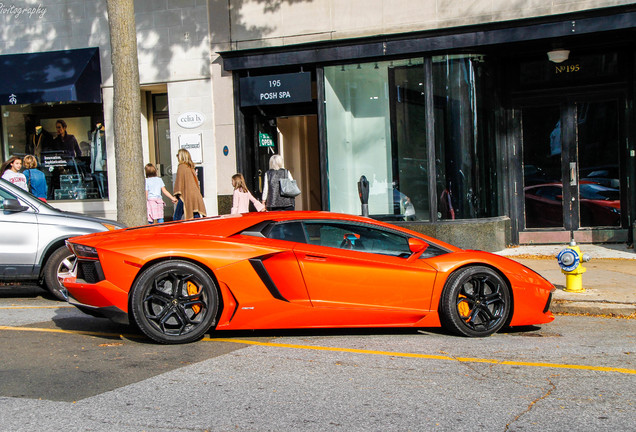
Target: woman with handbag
[
  {"x": 278, "y": 189},
  {"x": 186, "y": 189}
]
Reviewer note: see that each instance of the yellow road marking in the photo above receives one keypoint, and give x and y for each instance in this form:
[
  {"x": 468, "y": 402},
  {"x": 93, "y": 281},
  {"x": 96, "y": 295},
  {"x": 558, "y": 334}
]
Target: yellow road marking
[
  {"x": 350, "y": 350},
  {"x": 429, "y": 356},
  {"x": 77, "y": 332}
]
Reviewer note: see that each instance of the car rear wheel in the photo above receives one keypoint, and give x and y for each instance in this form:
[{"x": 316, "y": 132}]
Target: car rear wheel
[
  {"x": 61, "y": 261},
  {"x": 174, "y": 302},
  {"x": 475, "y": 302}
]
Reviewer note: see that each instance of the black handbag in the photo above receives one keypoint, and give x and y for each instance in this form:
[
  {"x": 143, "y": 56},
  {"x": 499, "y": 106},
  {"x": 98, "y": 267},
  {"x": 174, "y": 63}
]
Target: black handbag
[{"x": 178, "y": 211}]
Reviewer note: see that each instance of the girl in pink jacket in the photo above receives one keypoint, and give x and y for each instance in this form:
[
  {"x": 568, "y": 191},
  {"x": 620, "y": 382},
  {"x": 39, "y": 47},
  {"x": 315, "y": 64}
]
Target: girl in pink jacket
[{"x": 241, "y": 197}]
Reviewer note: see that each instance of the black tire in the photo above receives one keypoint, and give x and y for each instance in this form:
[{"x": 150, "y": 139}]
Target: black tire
[
  {"x": 475, "y": 302},
  {"x": 60, "y": 261},
  {"x": 174, "y": 302}
]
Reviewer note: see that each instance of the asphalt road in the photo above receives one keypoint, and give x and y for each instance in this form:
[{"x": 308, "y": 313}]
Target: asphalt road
[{"x": 63, "y": 370}]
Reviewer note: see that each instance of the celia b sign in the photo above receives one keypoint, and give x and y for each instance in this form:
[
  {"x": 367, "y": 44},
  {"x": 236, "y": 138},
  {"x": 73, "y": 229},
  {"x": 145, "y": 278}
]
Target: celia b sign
[{"x": 275, "y": 89}]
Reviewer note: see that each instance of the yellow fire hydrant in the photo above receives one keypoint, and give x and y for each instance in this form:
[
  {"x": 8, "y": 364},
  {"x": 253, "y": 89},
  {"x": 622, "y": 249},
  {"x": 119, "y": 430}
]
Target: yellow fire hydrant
[{"x": 571, "y": 262}]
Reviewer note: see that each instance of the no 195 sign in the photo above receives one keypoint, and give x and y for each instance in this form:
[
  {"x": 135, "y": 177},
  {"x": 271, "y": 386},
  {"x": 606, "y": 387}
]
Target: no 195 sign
[{"x": 276, "y": 89}]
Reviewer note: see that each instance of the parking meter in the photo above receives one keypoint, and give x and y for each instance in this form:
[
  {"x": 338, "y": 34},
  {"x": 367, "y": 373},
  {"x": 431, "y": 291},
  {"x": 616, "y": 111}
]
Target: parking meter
[{"x": 363, "y": 193}]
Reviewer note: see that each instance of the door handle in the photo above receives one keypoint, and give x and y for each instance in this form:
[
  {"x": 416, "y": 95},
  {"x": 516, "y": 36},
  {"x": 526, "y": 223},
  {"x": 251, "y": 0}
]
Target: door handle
[{"x": 572, "y": 173}]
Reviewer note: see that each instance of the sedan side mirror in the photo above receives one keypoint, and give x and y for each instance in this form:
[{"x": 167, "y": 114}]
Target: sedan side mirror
[
  {"x": 13, "y": 205},
  {"x": 417, "y": 245}
]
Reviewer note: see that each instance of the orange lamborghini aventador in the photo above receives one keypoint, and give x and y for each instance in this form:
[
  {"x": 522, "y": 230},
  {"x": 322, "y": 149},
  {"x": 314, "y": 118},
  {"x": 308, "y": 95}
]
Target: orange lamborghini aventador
[{"x": 275, "y": 270}]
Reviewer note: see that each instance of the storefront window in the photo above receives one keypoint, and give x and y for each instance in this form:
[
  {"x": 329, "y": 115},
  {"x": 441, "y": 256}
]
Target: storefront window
[
  {"x": 410, "y": 149},
  {"x": 375, "y": 128},
  {"x": 465, "y": 151},
  {"x": 68, "y": 142},
  {"x": 358, "y": 136}
]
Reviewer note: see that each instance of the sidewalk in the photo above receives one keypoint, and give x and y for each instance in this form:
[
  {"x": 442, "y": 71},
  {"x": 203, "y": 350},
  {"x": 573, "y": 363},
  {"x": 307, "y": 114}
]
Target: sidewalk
[{"x": 610, "y": 279}]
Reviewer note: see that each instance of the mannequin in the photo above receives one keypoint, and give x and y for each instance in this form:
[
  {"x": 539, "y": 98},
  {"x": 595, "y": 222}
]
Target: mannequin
[
  {"x": 98, "y": 158},
  {"x": 39, "y": 140}
]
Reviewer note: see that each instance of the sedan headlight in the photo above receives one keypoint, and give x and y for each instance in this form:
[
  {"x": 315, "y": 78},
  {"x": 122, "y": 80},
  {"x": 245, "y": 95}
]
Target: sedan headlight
[{"x": 82, "y": 251}]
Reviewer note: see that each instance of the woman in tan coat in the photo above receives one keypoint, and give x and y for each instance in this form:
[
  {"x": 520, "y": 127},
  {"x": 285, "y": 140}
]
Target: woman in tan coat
[{"x": 186, "y": 187}]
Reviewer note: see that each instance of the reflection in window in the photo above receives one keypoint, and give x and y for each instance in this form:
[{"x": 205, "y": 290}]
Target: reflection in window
[
  {"x": 410, "y": 150},
  {"x": 465, "y": 151}
]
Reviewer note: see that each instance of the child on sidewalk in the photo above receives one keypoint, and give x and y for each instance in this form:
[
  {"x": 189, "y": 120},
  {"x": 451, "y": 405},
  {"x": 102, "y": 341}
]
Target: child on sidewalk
[
  {"x": 241, "y": 197},
  {"x": 154, "y": 187}
]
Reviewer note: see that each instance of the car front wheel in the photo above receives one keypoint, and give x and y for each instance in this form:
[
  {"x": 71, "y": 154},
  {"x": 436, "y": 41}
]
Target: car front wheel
[
  {"x": 475, "y": 302},
  {"x": 61, "y": 261},
  {"x": 174, "y": 302}
]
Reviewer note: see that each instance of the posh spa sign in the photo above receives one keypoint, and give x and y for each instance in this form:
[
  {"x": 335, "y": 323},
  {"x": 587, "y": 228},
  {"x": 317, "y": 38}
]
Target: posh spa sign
[{"x": 276, "y": 89}]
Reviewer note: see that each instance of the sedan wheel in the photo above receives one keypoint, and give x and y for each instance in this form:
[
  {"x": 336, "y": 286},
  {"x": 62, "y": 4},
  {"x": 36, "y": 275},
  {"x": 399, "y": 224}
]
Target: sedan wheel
[
  {"x": 475, "y": 302},
  {"x": 174, "y": 302},
  {"x": 59, "y": 263}
]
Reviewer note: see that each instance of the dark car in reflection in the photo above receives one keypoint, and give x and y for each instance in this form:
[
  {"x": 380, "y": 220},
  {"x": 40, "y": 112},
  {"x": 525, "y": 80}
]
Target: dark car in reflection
[
  {"x": 599, "y": 205},
  {"x": 604, "y": 175}
]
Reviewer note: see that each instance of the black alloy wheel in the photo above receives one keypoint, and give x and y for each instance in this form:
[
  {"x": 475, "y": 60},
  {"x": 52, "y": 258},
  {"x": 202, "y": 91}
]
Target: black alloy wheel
[
  {"x": 174, "y": 302},
  {"x": 475, "y": 302}
]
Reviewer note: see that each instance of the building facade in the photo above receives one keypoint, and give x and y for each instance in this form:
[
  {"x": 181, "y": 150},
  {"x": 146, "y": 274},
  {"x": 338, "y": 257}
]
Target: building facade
[{"x": 485, "y": 123}]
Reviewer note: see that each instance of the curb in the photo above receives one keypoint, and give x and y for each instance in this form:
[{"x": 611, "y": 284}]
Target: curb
[{"x": 593, "y": 308}]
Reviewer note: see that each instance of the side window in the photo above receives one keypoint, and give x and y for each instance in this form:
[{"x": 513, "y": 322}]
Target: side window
[
  {"x": 290, "y": 231},
  {"x": 362, "y": 238}
]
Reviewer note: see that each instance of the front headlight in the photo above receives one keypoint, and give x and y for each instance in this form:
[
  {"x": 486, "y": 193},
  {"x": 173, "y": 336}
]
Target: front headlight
[{"x": 82, "y": 251}]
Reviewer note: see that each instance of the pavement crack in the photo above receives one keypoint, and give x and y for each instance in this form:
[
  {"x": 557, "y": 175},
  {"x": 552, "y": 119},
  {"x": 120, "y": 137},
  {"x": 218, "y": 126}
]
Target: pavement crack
[
  {"x": 531, "y": 405},
  {"x": 469, "y": 366}
]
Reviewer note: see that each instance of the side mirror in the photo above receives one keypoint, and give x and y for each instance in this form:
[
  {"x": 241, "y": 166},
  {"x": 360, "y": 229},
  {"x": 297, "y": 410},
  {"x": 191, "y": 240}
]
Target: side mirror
[
  {"x": 13, "y": 205},
  {"x": 417, "y": 245}
]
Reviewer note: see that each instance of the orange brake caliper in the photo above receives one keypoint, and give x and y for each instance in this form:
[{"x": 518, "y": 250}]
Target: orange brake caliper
[
  {"x": 192, "y": 290},
  {"x": 463, "y": 308}
]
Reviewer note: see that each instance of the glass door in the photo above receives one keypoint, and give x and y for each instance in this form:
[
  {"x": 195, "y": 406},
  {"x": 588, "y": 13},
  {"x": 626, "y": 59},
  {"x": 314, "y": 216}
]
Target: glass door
[{"x": 571, "y": 166}]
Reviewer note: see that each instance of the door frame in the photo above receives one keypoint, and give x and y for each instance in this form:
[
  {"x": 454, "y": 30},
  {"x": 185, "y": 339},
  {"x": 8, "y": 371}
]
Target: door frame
[{"x": 567, "y": 101}]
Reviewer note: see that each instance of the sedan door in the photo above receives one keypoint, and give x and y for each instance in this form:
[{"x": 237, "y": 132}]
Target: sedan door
[
  {"x": 360, "y": 267},
  {"x": 18, "y": 237}
]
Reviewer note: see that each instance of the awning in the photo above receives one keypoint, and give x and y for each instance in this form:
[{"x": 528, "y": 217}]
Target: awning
[{"x": 54, "y": 76}]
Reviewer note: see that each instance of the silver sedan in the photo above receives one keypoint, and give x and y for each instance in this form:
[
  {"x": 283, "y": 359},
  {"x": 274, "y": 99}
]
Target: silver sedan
[{"x": 33, "y": 235}]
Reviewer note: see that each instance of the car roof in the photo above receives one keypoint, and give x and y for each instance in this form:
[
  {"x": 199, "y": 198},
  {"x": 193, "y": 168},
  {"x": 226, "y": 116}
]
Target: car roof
[{"x": 228, "y": 225}]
